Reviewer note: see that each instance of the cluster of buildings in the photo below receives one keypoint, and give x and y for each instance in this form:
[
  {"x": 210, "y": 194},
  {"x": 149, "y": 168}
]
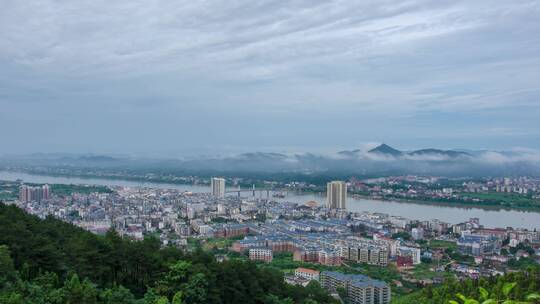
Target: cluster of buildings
[
  {"x": 519, "y": 185},
  {"x": 352, "y": 288},
  {"x": 328, "y": 235},
  {"x": 435, "y": 188},
  {"x": 478, "y": 244},
  {"x": 37, "y": 193},
  {"x": 330, "y": 242},
  {"x": 358, "y": 289}
]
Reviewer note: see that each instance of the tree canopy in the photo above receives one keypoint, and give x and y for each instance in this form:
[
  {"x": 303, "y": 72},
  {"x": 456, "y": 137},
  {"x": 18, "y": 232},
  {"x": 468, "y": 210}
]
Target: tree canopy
[{"x": 50, "y": 261}]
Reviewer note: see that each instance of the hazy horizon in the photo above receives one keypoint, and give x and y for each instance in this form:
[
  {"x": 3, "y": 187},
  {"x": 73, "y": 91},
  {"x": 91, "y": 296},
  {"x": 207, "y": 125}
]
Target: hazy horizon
[
  {"x": 166, "y": 79},
  {"x": 290, "y": 151}
]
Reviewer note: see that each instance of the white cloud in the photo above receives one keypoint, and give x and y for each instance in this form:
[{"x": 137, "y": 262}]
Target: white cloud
[
  {"x": 345, "y": 64},
  {"x": 529, "y": 156}
]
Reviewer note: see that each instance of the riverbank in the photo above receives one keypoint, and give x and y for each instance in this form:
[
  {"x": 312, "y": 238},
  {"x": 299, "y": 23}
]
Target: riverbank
[
  {"x": 447, "y": 204},
  {"x": 413, "y": 210},
  {"x": 462, "y": 205},
  {"x": 153, "y": 181}
]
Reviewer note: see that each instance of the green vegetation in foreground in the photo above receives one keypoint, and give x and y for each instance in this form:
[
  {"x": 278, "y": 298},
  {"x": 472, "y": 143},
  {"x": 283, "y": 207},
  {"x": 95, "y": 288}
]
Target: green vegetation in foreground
[
  {"x": 513, "y": 288},
  {"x": 50, "y": 261}
]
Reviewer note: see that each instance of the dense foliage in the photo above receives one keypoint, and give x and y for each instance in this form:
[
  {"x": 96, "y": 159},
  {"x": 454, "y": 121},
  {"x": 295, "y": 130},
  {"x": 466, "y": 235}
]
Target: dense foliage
[
  {"x": 519, "y": 287},
  {"x": 49, "y": 261},
  {"x": 486, "y": 298}
]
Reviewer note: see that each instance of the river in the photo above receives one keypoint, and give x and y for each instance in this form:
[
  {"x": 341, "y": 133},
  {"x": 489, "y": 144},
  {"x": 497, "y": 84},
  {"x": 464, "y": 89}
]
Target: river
[{"x": 488, "y": 217}]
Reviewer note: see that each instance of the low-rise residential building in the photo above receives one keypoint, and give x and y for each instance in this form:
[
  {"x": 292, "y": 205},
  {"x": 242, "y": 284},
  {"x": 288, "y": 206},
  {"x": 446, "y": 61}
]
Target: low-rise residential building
[
  {"x": 359, "y": 289},
  {"x": 363, "y": 250},
  {"x": 329, "y": 257},
  {"x": 414, "y": 253},
  {"x": 372, "y": 255},
  {"x": 478, "y": 244},
  {"x": 260, "y": 254},
  {"x": 307, "y": 273},
  {"x": 230, "y": 230}
]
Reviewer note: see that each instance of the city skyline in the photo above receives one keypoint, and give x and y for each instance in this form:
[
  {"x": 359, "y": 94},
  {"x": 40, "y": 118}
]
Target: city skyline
[
  {"x": 195, "y": 78},
  {"x": 310, "y": 152}
]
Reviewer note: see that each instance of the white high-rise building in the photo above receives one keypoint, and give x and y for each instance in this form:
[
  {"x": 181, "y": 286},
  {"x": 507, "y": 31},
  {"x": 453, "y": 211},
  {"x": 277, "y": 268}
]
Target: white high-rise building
[
  {"x": 218, "y": 186},
  {"x": 336, "y": 194},
  {"x": 417, "y": 233}
]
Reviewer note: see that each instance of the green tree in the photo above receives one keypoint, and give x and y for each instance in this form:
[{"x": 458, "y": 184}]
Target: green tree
[
  {"x": 150, "y": 297},
  {"x": 484, "y": 297},
  {"x": 177, "y": 299},
  {"x": 77, "y": 292},
  {"x": 273, "y": 299},
  {"x": 162, "y": 300},
  {"x": 342, "y": 292},
  {"x": 7, "y": 269},
  {"x": 177, "y": 275},
  {"x": 117, "y": 295},
  {"x": 195, "y": 290}
]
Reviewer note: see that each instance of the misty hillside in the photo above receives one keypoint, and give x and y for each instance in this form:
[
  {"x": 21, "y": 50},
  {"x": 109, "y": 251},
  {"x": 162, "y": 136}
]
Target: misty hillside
[{"x": 383, "y": 160}]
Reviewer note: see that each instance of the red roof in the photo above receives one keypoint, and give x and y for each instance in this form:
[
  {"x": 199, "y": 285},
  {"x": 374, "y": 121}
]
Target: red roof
[{"x": 307, "y": 270}]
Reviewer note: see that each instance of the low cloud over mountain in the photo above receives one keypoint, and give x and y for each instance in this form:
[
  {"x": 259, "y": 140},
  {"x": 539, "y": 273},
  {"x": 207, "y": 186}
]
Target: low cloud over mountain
[{"x": 380, "y": 160}]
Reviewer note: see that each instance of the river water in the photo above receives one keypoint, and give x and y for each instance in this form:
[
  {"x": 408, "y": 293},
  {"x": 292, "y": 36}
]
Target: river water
[{"x": 488, "y": 217}]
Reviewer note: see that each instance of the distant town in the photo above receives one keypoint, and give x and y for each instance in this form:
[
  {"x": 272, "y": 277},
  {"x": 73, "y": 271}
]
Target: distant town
[
  {"x": 357, "y": 254},
  {"x": 513, "y": 192}
]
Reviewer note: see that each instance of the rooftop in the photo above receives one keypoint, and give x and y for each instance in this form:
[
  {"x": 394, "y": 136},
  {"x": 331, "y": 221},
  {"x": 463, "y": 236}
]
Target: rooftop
[
  {"x": 307, "y": 270},
  {"x": 358, "y": 280}
]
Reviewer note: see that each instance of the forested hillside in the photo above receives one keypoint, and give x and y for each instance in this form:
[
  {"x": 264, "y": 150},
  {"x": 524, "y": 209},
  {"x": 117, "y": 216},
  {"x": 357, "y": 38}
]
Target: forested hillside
[{"x": 49, "y": 261}]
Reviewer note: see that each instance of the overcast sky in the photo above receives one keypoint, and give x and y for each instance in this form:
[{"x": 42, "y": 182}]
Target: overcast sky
[{"x": 184, "y": 77}]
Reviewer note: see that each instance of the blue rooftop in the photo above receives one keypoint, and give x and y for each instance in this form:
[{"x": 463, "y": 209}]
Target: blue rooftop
[{"x": 358, "y": 280}]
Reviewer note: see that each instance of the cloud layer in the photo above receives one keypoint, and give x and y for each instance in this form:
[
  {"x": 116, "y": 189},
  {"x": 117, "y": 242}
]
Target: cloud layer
[{"x": 180, "y": 77}]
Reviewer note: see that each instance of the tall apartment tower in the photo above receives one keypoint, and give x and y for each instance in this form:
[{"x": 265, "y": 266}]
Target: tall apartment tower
[
  {"x": 23, "y": 194},
  {"x": 218, "y": 186},
  {"x": 46, "y": 191},
  {"x": 336, "y": 194}
]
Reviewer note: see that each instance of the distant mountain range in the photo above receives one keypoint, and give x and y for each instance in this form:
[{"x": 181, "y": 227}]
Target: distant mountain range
[
  {"x": 387, "y": 151},
  {"x": 379, "y": 160}
]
